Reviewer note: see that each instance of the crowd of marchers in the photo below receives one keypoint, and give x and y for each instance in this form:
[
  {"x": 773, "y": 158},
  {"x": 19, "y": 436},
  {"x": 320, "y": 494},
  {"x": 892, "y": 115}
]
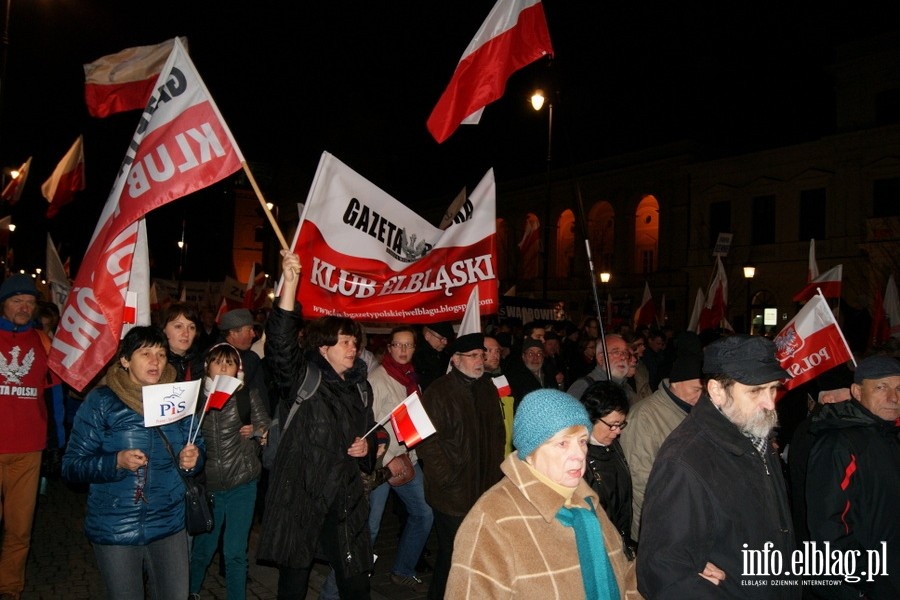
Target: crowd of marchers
[{"x": 567, "y": 461}]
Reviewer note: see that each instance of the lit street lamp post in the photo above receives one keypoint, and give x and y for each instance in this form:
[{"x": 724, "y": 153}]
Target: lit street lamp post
[
  {"x": 537, "y": 102},
  {"x": 749, "y": 273}
]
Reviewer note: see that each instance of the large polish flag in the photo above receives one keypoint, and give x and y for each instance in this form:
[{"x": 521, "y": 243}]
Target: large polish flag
[
  {"x": 181, "y": 145},
  {"x": 514, "y": 34},
  {"x": 646, "y": 312},
  {"x": 713, "y": 313},
  {"x": 66, "y": 179},
  {"x": 125, "y": 80},
  {"x": 811, "y": 343},
  {"x": 829, "y": 282},
  {"x": 410, "y": 421},
  {"x": 13, "y": 190}
]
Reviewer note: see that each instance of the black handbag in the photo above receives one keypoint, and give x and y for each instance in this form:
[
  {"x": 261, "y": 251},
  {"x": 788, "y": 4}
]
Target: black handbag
[{"x": 198, "y": 515}]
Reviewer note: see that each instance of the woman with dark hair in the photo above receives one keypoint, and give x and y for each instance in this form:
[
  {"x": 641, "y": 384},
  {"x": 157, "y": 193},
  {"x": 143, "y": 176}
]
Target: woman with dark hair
[
  {"x": 181, "y": 324},
  {"x": 607, "y": 472},
  {"x": 135, "y": 506},
  {"x": 316, "y": 504}
]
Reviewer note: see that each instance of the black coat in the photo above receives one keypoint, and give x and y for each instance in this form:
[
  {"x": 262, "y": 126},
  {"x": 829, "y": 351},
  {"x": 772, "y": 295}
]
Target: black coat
[
  {"x": 314, "y": 479},
  {"x": 708, "y": 494},
  {"x": 607, "y": 473}
]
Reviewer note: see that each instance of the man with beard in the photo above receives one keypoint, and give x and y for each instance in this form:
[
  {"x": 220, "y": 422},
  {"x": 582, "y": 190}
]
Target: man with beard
[
  {"x": 619, "y": 362},
  {"x": 462, "y": 460},
  {"x": 716, "y": 497}
]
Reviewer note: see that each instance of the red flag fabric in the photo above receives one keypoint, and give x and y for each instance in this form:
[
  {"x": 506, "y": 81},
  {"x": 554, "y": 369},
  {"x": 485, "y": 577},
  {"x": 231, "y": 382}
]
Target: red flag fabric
[
  {"x": 124, "y": 81},
  {"x": 66, "y": 179},
  {"x": 366, "y": 256},
  {"x": 713, "y": 313},
  {"x": 829, "y": 282},
  {"x": 880, "y": 330},
  {"x": 223, "y": 308},
  {"x": 811, "y": 343},
  {"x": 514, "y": 34},
  {"x": 813, "y": 269},
  {"x": 646, "y": 313},
  {"x": 181, "y": 145},
  {"x": 13, "y": 190},
  {"x": 502, "y": 384},
  {"x": 531, "y": 235},
  {"x": 410, "y": 421}
]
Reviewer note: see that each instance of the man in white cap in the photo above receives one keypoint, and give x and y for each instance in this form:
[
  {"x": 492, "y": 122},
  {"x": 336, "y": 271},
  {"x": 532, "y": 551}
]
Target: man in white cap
[{"x": 716, "y": 491}]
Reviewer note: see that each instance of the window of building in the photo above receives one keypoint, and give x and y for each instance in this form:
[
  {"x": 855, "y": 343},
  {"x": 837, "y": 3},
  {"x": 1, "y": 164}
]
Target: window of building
[
  {"x": 762, "y": 220},
  {"x": 886, "y": 197},
  {"x": 646, "y": 235},
  {"x": 719, "y": 220},
  {"x": 812, "y": 214},
  {"x": 602, "y": 233}
]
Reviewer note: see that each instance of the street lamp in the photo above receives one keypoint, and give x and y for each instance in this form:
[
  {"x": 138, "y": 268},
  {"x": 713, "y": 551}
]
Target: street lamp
[
  {"x": 604, "y": 277},
  {"x": 749, "y": 273},
  {"x": 537, "y": 102}
]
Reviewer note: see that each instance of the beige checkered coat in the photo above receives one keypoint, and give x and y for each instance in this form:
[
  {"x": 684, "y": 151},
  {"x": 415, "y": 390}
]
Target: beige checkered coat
[{"x": 511, "y": 545}]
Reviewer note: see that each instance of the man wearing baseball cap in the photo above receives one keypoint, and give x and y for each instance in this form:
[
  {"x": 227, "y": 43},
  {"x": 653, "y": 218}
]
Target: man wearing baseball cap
[
  {"x": 716, "y": 489},
  {"x": 853, "y": 479}
]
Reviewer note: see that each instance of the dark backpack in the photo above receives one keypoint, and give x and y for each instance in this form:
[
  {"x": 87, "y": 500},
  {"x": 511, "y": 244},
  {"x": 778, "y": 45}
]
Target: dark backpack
[{"x": 305, "y": 390}]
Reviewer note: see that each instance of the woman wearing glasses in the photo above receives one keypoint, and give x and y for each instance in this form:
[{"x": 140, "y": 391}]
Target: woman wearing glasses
[
  {"x": 135, "y": 507},
  {"x": 607, "y": 472}
]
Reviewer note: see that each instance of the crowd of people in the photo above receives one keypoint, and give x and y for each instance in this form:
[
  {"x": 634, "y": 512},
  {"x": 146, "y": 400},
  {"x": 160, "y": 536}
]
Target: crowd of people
[{"x": 567, "y": 461}]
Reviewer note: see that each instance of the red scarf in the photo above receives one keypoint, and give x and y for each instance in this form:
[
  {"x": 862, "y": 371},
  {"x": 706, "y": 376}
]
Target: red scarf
[{"x": 405, "y": 374}]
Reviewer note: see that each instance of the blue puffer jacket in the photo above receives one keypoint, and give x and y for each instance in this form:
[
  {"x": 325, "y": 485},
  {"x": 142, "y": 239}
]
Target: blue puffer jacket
[{"x": 103, "y": 426}]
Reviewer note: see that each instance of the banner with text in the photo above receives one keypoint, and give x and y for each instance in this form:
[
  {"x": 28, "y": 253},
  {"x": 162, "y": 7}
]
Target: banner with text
[{"x": 366, "y": 256}]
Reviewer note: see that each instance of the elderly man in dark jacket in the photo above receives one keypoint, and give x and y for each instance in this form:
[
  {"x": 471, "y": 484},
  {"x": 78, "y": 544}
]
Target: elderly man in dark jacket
[
  {"x": 316, "y": 504},
  {"x": 462, "y": 460},
  {"x": 716, "y": 502}
]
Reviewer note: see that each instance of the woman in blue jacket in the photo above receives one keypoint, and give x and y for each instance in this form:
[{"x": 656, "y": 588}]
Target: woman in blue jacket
[{"x": 135, "y": 507}]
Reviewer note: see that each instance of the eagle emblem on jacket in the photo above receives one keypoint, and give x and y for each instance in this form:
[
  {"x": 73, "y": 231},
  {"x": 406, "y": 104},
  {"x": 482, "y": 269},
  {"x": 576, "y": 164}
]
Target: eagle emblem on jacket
[{"x": 12, "y": 369}]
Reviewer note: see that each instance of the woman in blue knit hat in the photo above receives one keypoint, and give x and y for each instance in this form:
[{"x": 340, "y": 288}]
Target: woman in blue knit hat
[{"x": 541, "y": 531}]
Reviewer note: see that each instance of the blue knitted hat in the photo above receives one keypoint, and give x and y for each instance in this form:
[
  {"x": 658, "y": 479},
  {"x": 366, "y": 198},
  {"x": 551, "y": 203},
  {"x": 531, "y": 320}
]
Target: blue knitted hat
[{"x": 541, "y": 414}]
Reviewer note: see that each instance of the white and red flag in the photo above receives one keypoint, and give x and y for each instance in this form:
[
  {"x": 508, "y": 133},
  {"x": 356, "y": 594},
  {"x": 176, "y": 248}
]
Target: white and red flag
[
  {"x": 813, "y": 269},
  {"x": 125, "y": 80},
  {"x": 694, "y": 321},
  {"x": 249, "y": 292},
  {"x": 646, "y": 312},
  {"x": 892, "y": 307},
  {"x": 181, "y": 145},
  {"x": 514, "y": 34},
  {"x": 13, "y": 190},
  {"x": 56, "y": 276},
  {"x": 410, "y": 421},
  {"x": 366, "y": 256},
  {"x": 811, "y": 343},
  {"x": 713, "y": 314},
  {"x": 531, "y": 235},
  {"x": 223, "y": 388},
  {"x": 66, "y": 179},
  {"x": 828, "y": 282}
]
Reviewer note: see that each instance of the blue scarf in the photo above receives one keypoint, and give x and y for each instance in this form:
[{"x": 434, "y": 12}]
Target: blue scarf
[{"x": 596, "y": 570}]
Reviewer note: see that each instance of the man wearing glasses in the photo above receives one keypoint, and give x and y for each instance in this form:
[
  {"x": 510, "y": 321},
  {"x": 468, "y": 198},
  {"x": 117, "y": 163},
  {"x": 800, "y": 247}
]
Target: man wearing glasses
[
  {"x": 619, "y": 363},
  {"x": 532, "y": 372},
  {"x": 462, "y": 460},
  {"x": 431, "y": 357}
]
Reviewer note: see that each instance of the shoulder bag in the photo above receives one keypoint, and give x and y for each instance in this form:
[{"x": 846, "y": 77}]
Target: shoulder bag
[{"x": 198, "y": 516}]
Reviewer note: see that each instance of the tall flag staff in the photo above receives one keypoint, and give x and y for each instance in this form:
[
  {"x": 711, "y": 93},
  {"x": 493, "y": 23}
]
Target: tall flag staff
[{"x": 587, "y": 248}]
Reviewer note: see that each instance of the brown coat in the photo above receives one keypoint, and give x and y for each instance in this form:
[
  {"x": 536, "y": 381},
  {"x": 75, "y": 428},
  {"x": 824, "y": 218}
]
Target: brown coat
[{"x": 511, "y": 545}]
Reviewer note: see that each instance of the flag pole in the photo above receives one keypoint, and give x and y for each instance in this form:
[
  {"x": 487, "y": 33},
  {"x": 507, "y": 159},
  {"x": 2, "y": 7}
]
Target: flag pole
[
  {"x": 587, "y": 248},
  {"x": 838, "y": 327},
  {"x": 378, "y": 424},
  {"x": 262, "y": 201}
]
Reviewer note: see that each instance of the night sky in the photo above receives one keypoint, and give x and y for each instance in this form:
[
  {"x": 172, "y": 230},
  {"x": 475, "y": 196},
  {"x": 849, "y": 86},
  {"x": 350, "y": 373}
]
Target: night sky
[{"x": 359, "y": 79}]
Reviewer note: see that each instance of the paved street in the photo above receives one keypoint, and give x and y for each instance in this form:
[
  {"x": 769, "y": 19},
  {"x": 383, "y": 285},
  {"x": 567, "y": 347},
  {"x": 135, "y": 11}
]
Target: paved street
[{"x": 62, "y": 566}]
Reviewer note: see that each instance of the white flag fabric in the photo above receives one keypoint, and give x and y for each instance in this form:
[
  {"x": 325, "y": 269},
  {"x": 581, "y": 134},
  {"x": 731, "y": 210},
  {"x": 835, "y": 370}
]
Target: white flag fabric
[
  {"x": 813, "y": 268},
  {"x": 811, "y": 343},
  {"x": 892, "y": 306},
  {"x": 829, "y": 282},
  {"x": 410, "y": 421},
  {"x": 471, "y": 322},
  {"x": 56, "y": 276},
  {"x": 169, "y": 402},
  {"x": 66, "y": 179},
  {"x": 694, "y": 321},
  {"x": 181, "y": 145},
  {"x": 367, "y": 256}
]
